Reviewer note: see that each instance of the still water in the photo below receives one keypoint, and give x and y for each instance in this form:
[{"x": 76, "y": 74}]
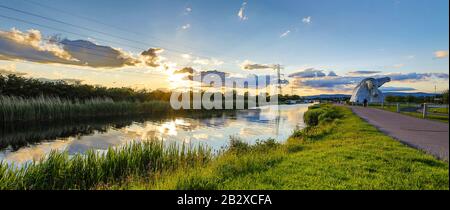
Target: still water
[{"x": 25, "y": 143}]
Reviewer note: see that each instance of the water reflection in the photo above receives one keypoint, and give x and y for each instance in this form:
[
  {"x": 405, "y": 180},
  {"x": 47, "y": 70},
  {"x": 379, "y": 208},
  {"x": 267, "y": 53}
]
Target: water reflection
[{"x": 24, "y": 143}]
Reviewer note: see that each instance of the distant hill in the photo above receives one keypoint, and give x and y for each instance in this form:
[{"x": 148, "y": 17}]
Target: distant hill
[{"x": 327, "y": 96}]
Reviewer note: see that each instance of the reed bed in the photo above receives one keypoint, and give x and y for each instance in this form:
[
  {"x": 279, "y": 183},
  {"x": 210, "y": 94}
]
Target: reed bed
[
  {"x": 53, "y": 108},
  {"x": 86, "y": 171}
]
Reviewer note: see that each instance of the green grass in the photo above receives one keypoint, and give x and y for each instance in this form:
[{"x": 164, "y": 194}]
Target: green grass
[
  {"x": 52, "y": 108},
  {"x": 433, "y": 114},
  {"x": 92, "y": 170},
  {"x": 442, "y": 110},
  {"x": 346, "y": 153},
  {"x": 340, "y": 152}
]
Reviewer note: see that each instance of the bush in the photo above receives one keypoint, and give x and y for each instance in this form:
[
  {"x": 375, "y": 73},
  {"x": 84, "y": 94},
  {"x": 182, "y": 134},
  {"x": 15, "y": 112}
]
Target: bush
[{"x": 321, "y": 113}]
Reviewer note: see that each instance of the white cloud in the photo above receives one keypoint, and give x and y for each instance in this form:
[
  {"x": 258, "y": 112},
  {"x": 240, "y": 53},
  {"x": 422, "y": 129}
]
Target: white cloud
[
  {"x": 186, "y": 56},
  {"x": 307, "y": 20},
  {"x": 285, "y": 34},
  {"x": 441, "y": 54},
  {"x": 241, "y": 13},
  {"x": 187, "y": 26},
  {"x": 208, "y": 62}
]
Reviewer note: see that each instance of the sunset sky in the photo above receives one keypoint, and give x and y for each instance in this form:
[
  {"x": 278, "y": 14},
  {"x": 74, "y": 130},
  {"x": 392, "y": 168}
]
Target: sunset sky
[{"x": 325, "y": 46}]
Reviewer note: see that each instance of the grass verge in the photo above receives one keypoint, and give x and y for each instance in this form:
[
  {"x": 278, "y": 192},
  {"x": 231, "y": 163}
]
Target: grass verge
[
  {"x": 340, "y": 152},
  {"x": 337, "y": 150}
]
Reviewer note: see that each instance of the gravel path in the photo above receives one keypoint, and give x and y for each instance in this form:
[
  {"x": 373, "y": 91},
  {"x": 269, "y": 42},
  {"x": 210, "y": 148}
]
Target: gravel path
[{"x": 426, "y": 135}]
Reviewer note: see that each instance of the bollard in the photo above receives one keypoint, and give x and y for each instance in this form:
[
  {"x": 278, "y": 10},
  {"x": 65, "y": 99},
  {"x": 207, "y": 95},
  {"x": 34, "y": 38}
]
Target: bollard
[
  {"x": 425, "y": 110},
  {"x": 398, "y": 108}
]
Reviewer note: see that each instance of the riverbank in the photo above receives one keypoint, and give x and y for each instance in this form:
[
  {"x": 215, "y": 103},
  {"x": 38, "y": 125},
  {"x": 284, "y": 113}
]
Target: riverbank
[
  {"x": 341, "y": 152},
  {"x": 337, "y": 150}
]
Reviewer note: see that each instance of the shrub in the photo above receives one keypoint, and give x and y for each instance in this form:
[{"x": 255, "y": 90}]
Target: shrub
[{"x": 321, "y": 113}]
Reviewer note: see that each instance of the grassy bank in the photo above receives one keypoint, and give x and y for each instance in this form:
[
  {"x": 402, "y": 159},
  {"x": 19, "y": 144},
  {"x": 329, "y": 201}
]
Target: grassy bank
[
  {"x": 54, "y": 108},
  {"x": 59, "y": 171},
  {"x": 337, "y": 150},
  {"x": 340, "y": 152}
]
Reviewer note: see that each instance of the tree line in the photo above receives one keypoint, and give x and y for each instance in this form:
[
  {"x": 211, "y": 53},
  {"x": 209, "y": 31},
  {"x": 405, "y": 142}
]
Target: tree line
[
  {"x": 13, "y": 85},
  {"x": 440, "y": 98}
]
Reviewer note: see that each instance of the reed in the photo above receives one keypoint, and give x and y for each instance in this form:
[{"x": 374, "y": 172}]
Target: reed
[
  {"x": 86, "y": 171},
  {"x": 53, "y": 108}
]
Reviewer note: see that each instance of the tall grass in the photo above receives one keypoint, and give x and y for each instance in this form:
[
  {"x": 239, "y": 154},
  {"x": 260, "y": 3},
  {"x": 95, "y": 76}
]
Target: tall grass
[
  {"x": 54, "y": 108},
  {"x": 86, "y": 171}
]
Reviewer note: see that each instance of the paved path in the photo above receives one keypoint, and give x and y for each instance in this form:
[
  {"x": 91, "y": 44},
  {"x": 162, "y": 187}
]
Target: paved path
[{"x": 427, "y": 135}]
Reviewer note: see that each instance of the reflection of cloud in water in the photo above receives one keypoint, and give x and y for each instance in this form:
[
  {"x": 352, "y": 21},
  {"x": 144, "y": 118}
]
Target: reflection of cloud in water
[
  {"x": 34, "y": 153},
  {"x": 246, "y": 132},
  {"x": 249, "y": 125},
  {"x": 96, "y": 142}
]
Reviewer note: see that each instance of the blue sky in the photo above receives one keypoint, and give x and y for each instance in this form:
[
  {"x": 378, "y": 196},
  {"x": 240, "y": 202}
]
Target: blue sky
[{"x": 388, "y": 36}]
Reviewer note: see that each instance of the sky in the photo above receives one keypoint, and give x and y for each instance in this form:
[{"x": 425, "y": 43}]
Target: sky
[{"x": 324, "y": 46}]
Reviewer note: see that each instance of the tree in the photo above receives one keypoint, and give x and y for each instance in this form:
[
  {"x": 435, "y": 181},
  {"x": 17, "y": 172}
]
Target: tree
[{"x": 445, "y": 97}]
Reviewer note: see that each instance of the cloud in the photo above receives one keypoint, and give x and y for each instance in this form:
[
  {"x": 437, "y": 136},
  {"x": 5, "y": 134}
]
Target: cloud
[
  {"x": 285, "y": 34},
  {"x": 187, "y": 26},
  {"x": 441, "y": 54},
  {"x": 208, "y": 61},
  {"x": 241, "y": 12},
  {"x": 249, "y": 65},
  {"x": 345, "y": 83},
  {"x": 397, "y": 89},
  {"x": 11, "y": 69},
  {"x": 8, "y": 72},
  {"x": 185, "y": 70},
  {"x": 31, "y": 46},
  {"x": 332, "y": 74},
  {"x": 186, "y": 56},
  {"x": 308, "y": 73},
  {"x": 188, "y": 10},
  {"x": 364, "y": 72},
  {"x": 150, "y": 57},
  {"x": 416, "y": 76},
  {"x": 307, "y": 20},
  {"x": 328, "y": 83},
  {"x": 400, "y": 65}
]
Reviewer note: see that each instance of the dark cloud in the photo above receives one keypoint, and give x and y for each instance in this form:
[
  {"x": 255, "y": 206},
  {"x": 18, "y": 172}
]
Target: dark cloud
[
  {"x": 31, "y": 46},
  {"x": 308, "y": 73},
  {"x": 332, "y": 74},
  {"x": 348, "y": 82},
  {"x": 97, "y": 56},
  {"x": 364, "y": 72},
  {"x": 151, "y": 57},
  {"x": 185, "y": 70},
  {"x": 248, "y": 65},
  {"x": 397, "y": 89},
  {"x": 416, "y": 76}
]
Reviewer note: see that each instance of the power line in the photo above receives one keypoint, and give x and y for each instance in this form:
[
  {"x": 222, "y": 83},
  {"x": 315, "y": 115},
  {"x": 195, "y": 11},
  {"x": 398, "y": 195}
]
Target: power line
[
  {"x": 78, "y": 46},
  {"x": 86, "y": 29},
  {"x": 65, "y": 31},
  {"x": 99, "y": 22}
]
